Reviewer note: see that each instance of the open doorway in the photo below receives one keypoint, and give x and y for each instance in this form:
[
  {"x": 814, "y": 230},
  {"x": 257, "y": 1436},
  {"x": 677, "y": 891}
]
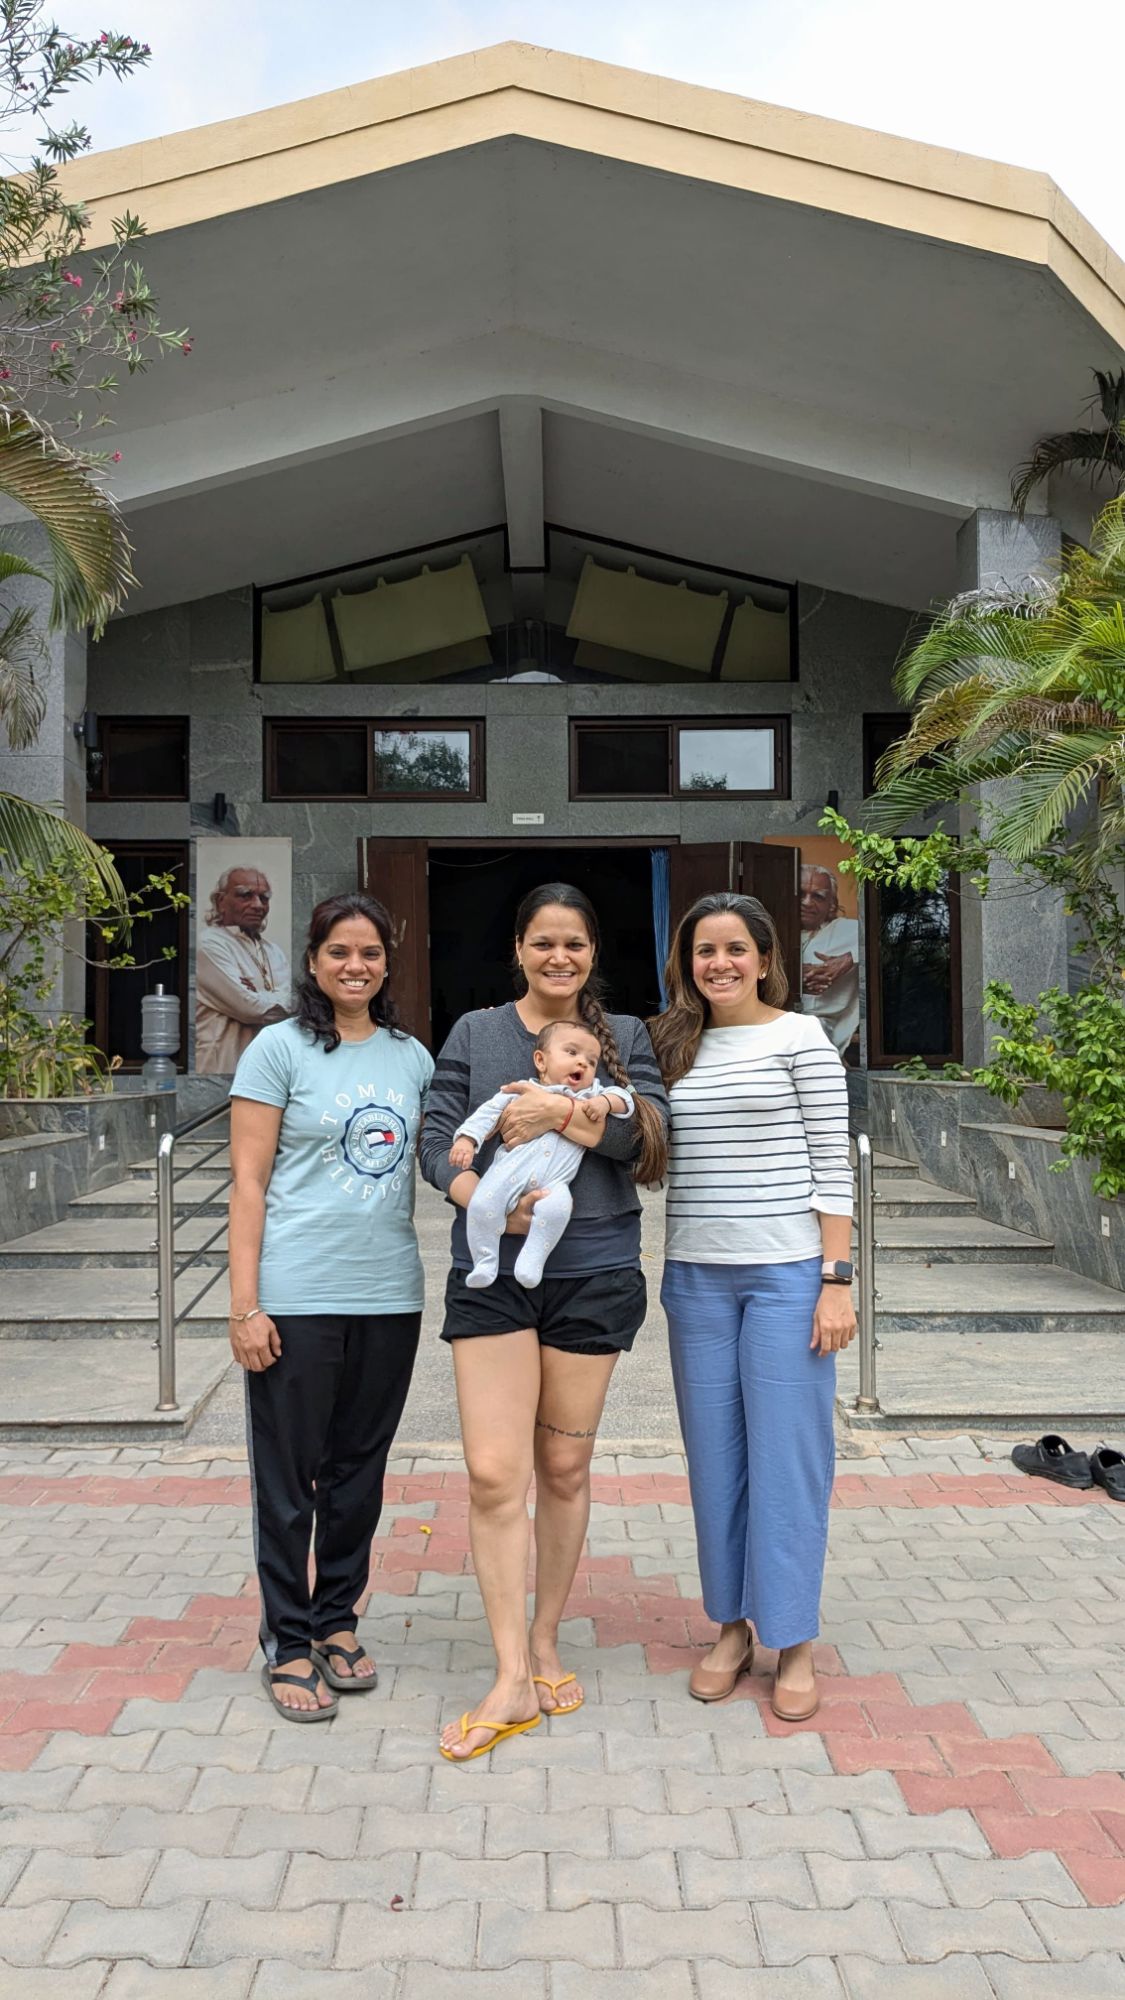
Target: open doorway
[{"x": 473, "y": 896}]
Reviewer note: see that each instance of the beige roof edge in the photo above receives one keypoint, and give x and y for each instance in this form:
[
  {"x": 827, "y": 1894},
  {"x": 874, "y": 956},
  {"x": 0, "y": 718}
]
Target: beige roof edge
[{"x": 516, "y": 89}]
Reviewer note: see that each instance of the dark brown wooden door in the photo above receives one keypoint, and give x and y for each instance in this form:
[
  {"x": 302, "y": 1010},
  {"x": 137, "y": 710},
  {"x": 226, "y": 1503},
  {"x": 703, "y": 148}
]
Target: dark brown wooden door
[
  {"x": 699, "y": 868},
  {"x": 113, "y": 998},
  {"x": 773, "y": 875},
  {"x": 396, "y": 872}
]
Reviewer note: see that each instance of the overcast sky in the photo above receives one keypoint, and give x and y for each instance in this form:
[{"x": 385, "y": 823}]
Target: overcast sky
[{"x": 1029, "y": 81}]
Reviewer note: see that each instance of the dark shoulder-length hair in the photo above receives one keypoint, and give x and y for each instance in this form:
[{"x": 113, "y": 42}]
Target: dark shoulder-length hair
[
  {"x": 314, "y": 1009},
  {"x": 676, "y": 1032},
  {"x": 651, "y": 1163}
]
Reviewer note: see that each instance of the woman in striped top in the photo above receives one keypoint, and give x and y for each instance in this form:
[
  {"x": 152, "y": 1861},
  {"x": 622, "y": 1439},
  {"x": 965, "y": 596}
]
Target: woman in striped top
[{"x": 757, "y": 1286}]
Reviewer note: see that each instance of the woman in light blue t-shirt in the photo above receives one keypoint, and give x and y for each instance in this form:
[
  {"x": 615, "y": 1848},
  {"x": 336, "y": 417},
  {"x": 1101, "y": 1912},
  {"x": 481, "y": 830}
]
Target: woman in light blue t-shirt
[{"x": 326, "y": 1291}]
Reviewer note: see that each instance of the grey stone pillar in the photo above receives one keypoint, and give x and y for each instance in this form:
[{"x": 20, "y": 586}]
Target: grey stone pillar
[
  {"x": 1015, "y": 933},
  {"x": 53, "y": 770}
]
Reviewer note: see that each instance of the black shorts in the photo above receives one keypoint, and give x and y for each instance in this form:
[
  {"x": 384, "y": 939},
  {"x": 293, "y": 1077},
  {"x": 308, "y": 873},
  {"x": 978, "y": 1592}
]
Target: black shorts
[{"x": 597, "y": 1314}]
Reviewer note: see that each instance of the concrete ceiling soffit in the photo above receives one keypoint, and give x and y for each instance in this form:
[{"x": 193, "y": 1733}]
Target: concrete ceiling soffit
[
  {"x": 517, "y": 374},
  {"x": 594, "y": 108}
]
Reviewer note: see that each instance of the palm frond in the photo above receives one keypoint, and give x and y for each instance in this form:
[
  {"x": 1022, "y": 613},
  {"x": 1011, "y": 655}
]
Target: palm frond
[
  {"x": 34, "y": 836},
  {"x": 1061, "y": 775},
  {"x": 955, "y": 646},
  {"x": 1101, "y": 453},
  {"x": 91, "y": 569},
  {"x": 23, "y": 702},
  {"x": 13, "y": 565},
  {"x": 1107, "y": 542}
]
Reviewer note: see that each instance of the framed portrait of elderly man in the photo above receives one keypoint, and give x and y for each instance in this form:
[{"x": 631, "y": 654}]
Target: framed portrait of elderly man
[
  {"x": 829, "y": 940},
  {"x": 243, "y": 945}
]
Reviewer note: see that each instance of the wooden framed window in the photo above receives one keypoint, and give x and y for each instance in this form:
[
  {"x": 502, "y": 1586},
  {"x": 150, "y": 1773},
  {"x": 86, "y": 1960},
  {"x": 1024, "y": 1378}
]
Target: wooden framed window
[
  {"x": 879, "y": 732},
  {"x": 382, "y": 760},
  {"x": 139, "y": 757},
  {"x": 696, "y": 759}
]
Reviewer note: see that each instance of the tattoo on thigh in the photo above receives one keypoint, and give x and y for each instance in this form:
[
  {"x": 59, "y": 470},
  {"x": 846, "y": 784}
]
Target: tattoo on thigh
[{"x": 556, "y": 1432}]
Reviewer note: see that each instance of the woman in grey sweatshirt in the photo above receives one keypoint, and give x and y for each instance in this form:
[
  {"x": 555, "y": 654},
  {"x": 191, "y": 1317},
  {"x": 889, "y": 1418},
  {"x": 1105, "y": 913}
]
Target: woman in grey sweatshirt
[{"x": 533, "y": 1366}]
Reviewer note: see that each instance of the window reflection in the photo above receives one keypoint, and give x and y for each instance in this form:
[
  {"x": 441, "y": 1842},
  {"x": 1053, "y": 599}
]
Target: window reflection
[
  {"x": 914, "y": 942},
  {"x": 421, "y": 760}
]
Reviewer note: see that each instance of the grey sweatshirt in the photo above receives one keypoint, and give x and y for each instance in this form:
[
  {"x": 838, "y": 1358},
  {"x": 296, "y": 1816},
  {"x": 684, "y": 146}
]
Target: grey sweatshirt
[{"x": 490, "y": 1048}]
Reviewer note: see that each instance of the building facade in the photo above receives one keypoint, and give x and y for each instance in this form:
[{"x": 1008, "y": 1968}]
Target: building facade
[{"x": 562, "y": 461}]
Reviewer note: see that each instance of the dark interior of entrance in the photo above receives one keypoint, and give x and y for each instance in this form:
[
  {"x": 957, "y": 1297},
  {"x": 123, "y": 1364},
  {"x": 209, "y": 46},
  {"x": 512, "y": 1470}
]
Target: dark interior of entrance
[{"x": 474, "y": 892}]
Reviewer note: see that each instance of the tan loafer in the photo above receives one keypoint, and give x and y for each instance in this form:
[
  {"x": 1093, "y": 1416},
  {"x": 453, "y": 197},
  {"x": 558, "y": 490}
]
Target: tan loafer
[
  {"x": 794, "y": 1704},
  {"x": 706, "y": 1685}
]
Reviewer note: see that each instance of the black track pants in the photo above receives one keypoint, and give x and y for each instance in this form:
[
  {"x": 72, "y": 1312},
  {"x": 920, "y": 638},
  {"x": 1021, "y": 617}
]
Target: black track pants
[{"x": 319, "y": 1425}]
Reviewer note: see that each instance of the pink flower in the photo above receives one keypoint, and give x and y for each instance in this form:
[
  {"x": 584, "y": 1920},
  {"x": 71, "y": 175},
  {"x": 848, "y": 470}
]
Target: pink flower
[
  {"x": 117, "y": 458},
  {"x": 87, "y": 312},
  {"x": 5, "y": 374},
  {"x": 72, "y": 278},
  {"x": 187, "y": 345},
  {"x": 131, "y": 336},
  {"x": 56, "y": 347}
]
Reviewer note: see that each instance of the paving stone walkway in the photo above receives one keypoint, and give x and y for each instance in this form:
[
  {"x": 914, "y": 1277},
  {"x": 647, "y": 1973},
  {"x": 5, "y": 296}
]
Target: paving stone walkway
[{"x": 952, "y": 1823}]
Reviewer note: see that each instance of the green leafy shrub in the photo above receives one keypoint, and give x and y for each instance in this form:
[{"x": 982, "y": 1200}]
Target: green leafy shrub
[
  {"x": 41, "y": 907},
  {"x": 1073, "y": 1043}
]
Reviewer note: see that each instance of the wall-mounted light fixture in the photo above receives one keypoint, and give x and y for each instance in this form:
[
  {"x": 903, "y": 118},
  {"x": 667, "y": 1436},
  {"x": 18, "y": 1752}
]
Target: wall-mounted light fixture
[
  {"x": 219, "y": 808},
  {"x": 86, "y": 729},
  {"x": 832, "y": 802}
]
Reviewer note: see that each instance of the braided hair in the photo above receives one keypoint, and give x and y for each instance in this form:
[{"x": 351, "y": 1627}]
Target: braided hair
[{"x": 651, "y": 1162}]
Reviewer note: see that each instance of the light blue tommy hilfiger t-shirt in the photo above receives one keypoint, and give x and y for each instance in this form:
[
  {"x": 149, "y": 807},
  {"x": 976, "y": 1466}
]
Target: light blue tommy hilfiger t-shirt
[{"x": 339, "y": 1231}]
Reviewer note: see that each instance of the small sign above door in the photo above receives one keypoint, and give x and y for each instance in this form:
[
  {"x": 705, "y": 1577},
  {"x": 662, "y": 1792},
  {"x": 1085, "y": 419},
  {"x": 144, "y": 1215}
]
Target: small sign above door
[{"x": 527, "y": 819}]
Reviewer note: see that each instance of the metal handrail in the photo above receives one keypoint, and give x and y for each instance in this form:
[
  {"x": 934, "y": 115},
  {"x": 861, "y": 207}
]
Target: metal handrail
[
  {"x": 166, "y": 1249},
  {"x": 867, "y": 1400}
]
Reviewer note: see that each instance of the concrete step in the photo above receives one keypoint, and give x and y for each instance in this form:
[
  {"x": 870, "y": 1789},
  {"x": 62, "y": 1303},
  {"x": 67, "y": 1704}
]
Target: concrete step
[
  {"x": 991, "y": 1380},
  {"x": 138, "y": 1197},
  {"x": 107, "y": 1305},
  {"x": 890, "y": 1163},
  {"x": 1037, "y": 1300},
  {"x": 93, "y": 1400},
  {"x": 948, "y": 1239},
  {"x": 898, "y": 1195},
  {"x": 120, "y": 1243}
]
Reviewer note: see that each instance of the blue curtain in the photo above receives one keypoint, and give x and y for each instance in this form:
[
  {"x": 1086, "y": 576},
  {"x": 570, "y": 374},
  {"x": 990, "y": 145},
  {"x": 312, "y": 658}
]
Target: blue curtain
[{"x": 661, "y": 913}]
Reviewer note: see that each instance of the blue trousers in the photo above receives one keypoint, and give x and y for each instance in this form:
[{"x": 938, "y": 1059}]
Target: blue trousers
[{"x": 756, "y": 1409}]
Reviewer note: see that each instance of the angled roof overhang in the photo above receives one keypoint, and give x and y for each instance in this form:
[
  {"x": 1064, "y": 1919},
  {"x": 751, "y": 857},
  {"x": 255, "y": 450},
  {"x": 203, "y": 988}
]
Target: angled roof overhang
[{"x": 523, "y": 278}]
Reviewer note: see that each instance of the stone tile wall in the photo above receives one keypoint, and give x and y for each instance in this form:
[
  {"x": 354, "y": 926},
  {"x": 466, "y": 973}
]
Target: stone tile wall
[{"x": 982, "y": 1136}]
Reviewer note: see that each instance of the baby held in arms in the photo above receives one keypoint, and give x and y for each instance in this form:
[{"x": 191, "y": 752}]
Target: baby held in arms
[{"x": 566, "y": 1059}]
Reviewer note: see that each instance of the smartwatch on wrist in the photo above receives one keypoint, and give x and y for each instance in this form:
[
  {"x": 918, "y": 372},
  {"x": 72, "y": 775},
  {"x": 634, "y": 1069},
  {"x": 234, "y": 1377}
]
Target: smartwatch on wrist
[{"x": 837, "y": 1274}]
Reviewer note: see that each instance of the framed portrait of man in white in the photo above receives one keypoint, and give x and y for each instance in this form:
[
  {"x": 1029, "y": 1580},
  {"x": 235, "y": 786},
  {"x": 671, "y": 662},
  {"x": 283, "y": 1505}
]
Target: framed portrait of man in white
[{"x": 243, "y": 945}]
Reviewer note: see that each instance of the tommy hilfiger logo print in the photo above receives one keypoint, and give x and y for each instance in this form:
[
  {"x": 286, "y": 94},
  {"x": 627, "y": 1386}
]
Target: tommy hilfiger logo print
[{"x": 372, "y": 1146}]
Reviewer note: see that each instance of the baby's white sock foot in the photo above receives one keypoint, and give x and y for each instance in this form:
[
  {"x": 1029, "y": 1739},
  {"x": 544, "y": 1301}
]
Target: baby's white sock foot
[
  {"x": 480, "y": 1276},
  {"x": 528, "y": 1269}
]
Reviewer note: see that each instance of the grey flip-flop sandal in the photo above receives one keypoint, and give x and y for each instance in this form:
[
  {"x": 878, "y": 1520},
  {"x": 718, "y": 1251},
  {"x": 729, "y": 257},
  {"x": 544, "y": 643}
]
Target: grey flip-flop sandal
[
  {"x": 307, "y": 1681},
  {"x": 352, "y": 1683}
]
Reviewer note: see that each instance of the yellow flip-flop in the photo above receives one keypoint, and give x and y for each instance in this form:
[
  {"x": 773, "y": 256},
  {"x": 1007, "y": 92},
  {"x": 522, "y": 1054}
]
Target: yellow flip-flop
[
  {"x": 500, "y": 1731},
  {"x": 561, "y": 1707}
]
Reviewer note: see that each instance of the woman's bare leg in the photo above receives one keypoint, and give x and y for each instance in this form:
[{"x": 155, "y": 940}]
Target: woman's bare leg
[
  {"x": 566, "y": 1427},
  {"x": 498, "y": 1386}
]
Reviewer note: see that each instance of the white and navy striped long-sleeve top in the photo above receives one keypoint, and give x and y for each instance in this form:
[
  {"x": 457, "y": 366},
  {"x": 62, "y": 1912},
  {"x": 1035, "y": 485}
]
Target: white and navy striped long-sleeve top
[{"x": 759, "y": 1144}]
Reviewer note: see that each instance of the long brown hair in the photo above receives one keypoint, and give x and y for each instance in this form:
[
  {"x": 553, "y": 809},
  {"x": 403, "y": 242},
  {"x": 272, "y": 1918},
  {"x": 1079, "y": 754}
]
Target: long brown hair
[
  {"x": 676, "y": 1032},
  {"x": 651, "y": 1163}
]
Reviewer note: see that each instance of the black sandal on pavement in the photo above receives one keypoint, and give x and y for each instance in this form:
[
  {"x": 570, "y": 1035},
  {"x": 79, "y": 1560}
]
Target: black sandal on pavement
[
  {"x": 323, "y": 1712},
  {"x": 353, "y": 1683},
  {"x": 1052, "y": 1458},
  {"x": 1107, "y": 1468}
]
